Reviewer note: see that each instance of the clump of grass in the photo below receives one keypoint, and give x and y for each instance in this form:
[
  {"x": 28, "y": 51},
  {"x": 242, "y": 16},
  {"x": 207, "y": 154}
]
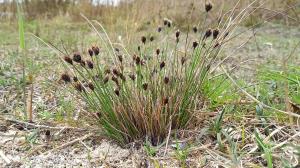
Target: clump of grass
[{"x": 139, "y": 94}]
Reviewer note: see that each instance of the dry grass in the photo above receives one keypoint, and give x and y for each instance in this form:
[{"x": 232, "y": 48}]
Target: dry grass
[{"x": 140, "y": 11}]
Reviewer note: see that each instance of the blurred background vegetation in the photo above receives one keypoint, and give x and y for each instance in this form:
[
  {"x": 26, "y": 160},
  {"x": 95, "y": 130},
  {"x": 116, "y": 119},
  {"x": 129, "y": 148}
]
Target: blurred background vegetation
[
  {"x": 129, "y": 17},
  {"x": 144, "y": 11}
]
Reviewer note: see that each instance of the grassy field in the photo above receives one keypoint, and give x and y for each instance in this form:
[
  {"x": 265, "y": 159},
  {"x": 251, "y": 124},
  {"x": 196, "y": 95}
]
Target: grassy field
[{"x": 237, "y": 104}]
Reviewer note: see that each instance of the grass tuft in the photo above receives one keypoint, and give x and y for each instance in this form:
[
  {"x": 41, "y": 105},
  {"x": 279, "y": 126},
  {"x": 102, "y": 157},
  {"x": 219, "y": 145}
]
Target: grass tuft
[{"x": 166, "y": 86}]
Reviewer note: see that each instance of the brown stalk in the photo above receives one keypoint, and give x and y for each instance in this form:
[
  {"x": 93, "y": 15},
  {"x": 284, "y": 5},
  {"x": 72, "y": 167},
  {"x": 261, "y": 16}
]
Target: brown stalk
[
  {"x": 29, "y": 100},
  {"x": 286, "y": 91}
]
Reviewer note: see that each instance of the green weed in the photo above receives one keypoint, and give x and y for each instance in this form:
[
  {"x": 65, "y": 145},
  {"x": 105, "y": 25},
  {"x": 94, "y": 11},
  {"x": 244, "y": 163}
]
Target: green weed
[{"x": 265, "y": 148}]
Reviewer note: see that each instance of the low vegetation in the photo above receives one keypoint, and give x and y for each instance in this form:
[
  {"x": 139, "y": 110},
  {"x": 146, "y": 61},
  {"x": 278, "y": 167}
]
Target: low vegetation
[
  {"x": 157, "y": 87},
  {"x": 169, "y": 82}
]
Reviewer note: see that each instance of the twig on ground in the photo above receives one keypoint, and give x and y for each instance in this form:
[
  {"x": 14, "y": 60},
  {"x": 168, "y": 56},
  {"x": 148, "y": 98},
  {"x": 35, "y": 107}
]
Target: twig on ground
[
  {"x": 46, "y": 126},
  {"x": 286, "y": 141},
  {"x": 68, "y": 144},
  {"x": 59, "y": 132},
  {"x": 36, "y": 149},
  {"x": 202, "y": 147},
  {"x": 272, "y": 134},
  {"x": 88, "y": 148}
]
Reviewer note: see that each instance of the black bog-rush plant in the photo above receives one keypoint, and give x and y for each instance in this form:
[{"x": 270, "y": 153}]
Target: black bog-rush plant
[{"x": 140, "y": 94}]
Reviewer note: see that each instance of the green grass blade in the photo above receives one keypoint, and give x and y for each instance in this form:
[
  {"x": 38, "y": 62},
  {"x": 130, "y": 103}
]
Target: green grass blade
[
  {"x": 265, "y": 148},
  {"x": 22, "y": 47},
  {"x": 21, "y": 27}
]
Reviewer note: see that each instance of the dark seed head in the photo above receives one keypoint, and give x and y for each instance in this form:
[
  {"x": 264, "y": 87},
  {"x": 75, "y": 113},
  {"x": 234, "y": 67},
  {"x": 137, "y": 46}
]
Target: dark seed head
[
  {"x": 143, "y": 39},
  {"x": 195, "y": 29},
  {"x": 90, "y": 51},
  {"x": 120, "y": 58},
  {"x": 208, "y": 33},
  {"x": 139, "y": 48},
  {"x": 159, "y": 29},
  {"x": 106, "y": 79},
  {"x": 117, "y": 92},
  {"x": 90, "y": 64},
  {"x": 91, "y": 86},
  {"x": 183, "y": 60},
  {"x": 162, "y": 65},
  {"x": 96, "y": 50},
  {"x": 115, "y": 79},
  {"x": 215, "y": 33},
  {"x": 138, "y": 60},
  {"x": 177, "y": 34},
  {"x": 117, "y": 50},
  {"x": 77, "y": 57},
  {"x": 79, "y": 87},
  {"x": 157, "y": 51},
  {"x": 68, "y": 60},
  {"x": 75, "y": 79},
  {"x": 166, "y": 80},
  {"x": 116, "y": 72},
  {"x": 151, "y": 38},
  {"x": 208, "y": 7},
  {"x": 66, "y": 78},
  {"x": 132, "y": 76},
  {"x": 169, "y": 24},
  {"x": 98, "y": 115},
  {"x": 107, "y": 71},
  {"x": 165, "y": 101},
  {"x": 123, "y": 77},
  {"x": 47, "y": 133},
  {"x": 195, "y": 44},
  {"x": 145, "y": 86},
  {"x": 166, "y": 22}
]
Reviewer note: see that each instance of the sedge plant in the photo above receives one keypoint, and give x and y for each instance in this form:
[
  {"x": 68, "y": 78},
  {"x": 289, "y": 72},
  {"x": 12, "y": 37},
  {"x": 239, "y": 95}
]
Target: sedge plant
[{"x": 141, "y": 93}]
